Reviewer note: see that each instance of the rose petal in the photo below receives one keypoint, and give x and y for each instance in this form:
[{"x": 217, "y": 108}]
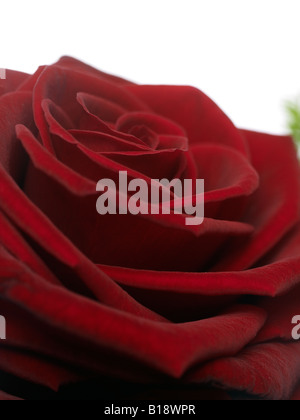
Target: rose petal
[
  {"x": 14, "y": 243},
  {"x": 227, "y": 174},
  {"x": 183, "y": 305},
  {"x": 6, "y": 397},
  {"x": 73, "y": 64},
  {"x": 13, "y": 79},
  {"x": 103, "y": 108},
  {"x": 94, "y": 123},
  {"x": 30, "y": 219},
  {"x": 190, "y": 246},
  {"x": 155, "y": 122},
  {"x": 29, "y": 83},
  {"x": 61, "y": 85},
  {"x": 270, "y": 371},
  {"x": 173, "y": 142},
  {"x": 229, "y": 180},
  {"x": 34, "y": 368},
  {"x": 296, "y": 396},
  {"x": 281, "y": 311},
  {"x": 203, "y": 121},
  {"x": 275, "y": 207},
  {"x": 105, "y": 143},
  {"x": 61, "y": 126},
  {"x": 14, "y": 108},
  {"x": 277, "y": 278},
  {"x": 48, "y": 177},
  {"x": 170, "y": 348}
]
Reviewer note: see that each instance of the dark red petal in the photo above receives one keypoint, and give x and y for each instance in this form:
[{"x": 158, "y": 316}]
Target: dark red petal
[
  {"x": 275, "y": 207},
  {"x": 73, "y": 64},
  {"x": 184, "y": 304},
  {"x": 91, "y": 122},
  {"x": 282, "y": 309},
  {"x": 12, "y": 240},
  {"x": 269, "y": 370},
  {"x": 36, "y": 369},
  {"x": 46, "y": 162},
  {"x": 61, "y": 85},
  {"x": 173, "y": 142},
  {"x": 227, "y": 174},
  {"x": 168, "y": 348},
  {"x": 155, "y": 122},
  {"x": 105, "y": 143},
  {"x": 165, "y": 164},
  {"x": 29, "y": 83},
  {"x": 281, "y": 312},
  {"x": 296, "y": 395},
  {"x": 103, "y": 108},
  {"x": 93, "y": 166},
  {"x": 60, "y": 125},
  {"x": 31, "y": 220},
  {"x": 236, "y": 169},
  {"x": 12, "y": 81},
  {"x": 229, "y": 181},
  {"x": 15, "y": 108},
  {"x": 188, "y": 247},
  {"x": 47, "y": 174},
  {"x": 203, "y": 121},
  {"x": 274, "y": 279},
  {"x": 6, "y": 397}
]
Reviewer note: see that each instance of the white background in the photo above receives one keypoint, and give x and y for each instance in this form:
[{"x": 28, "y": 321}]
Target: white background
[{"x": 245, "y": 54}]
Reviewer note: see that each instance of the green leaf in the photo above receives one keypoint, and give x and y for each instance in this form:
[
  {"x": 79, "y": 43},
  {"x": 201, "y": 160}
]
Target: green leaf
[{"x": 293, "y": 113}]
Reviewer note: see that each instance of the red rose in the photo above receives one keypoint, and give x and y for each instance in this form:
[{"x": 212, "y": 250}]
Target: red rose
[{"x": 142, "y": 305}]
